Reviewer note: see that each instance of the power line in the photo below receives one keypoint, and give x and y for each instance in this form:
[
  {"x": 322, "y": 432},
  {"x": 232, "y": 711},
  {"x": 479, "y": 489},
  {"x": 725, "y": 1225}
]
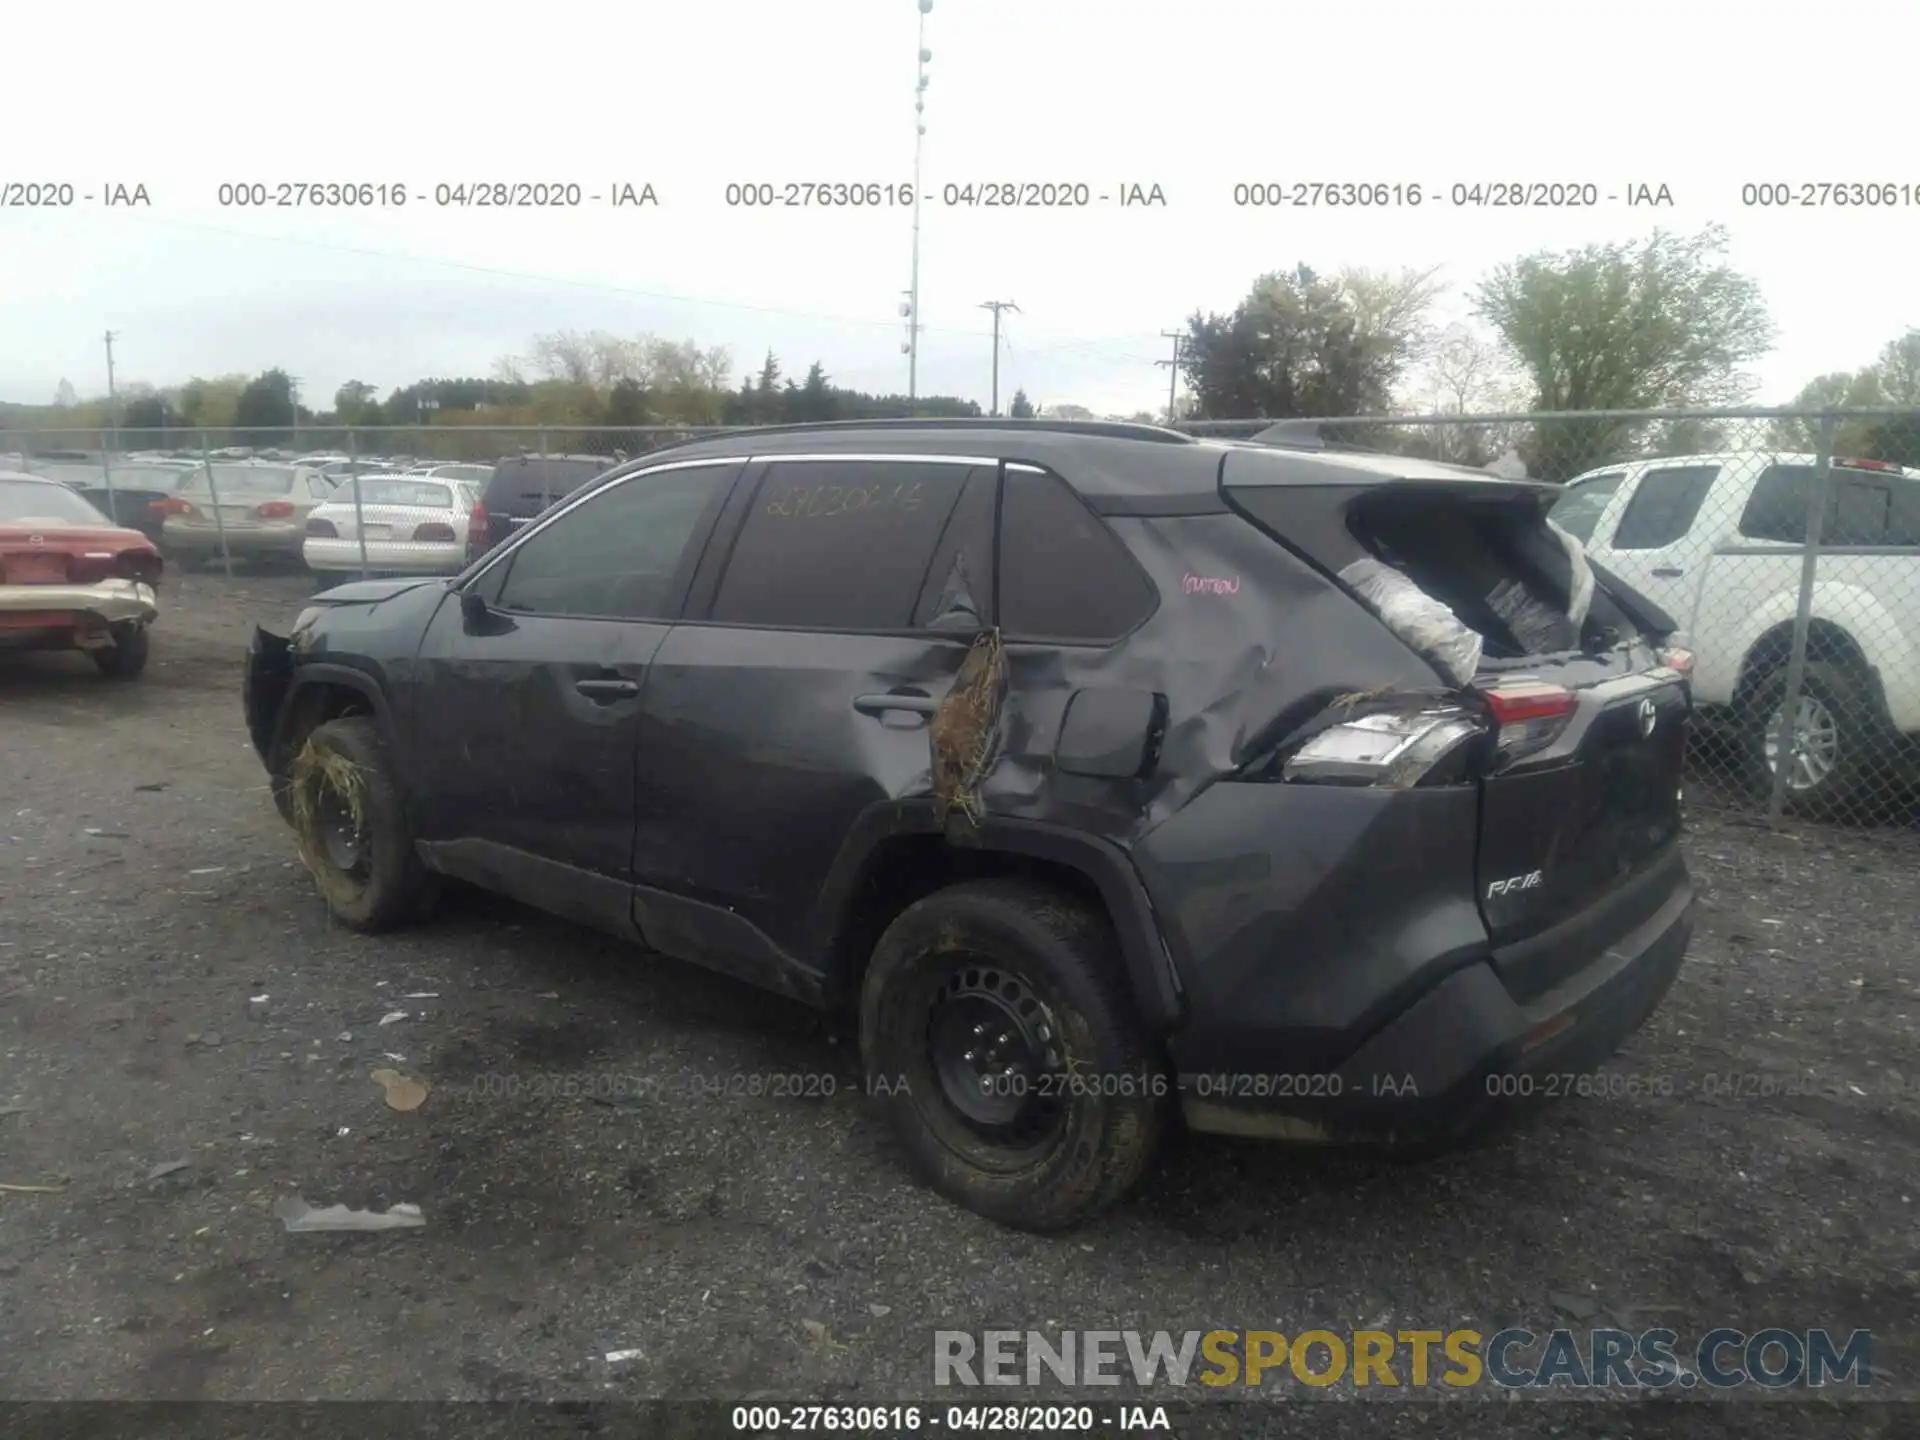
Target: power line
[
  {"x": 996, "y": 306},
  {"x": 1179, "y": 339},
  {"x": 506, "y": 274}
]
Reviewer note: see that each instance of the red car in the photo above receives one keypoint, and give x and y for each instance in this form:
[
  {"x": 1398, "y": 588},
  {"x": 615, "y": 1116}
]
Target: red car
[{"x": 70, "y": 579}]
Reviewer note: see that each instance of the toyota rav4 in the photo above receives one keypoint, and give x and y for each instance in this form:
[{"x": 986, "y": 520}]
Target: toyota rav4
[{"x": 1111, "y": 778}]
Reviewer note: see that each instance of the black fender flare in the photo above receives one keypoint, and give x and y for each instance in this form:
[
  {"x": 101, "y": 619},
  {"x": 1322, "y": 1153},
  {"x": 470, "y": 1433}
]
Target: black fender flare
[
  {"x": 1150, "y": 968},
  {"x": 305, "y": 677}
]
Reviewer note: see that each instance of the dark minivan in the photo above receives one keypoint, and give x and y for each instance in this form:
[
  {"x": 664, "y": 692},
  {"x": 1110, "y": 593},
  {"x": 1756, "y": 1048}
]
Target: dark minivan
[{"x": 521, "y": 488}]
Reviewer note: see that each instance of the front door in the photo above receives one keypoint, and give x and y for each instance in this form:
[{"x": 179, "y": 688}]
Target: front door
[{"x": 527, "y": 712}]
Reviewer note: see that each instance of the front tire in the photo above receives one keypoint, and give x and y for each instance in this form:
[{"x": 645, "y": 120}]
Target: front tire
[
  {"x": 352, "y": 828},
  {"x": 1000, "y": 1039},
  {"x": 127, "y": 656}
]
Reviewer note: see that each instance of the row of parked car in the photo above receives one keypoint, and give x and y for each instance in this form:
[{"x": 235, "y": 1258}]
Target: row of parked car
[{"x": 334, "y": 513}]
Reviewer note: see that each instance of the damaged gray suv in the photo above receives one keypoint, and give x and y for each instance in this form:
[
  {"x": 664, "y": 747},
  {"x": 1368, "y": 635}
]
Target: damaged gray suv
[{"x": 1113, "y": 778}]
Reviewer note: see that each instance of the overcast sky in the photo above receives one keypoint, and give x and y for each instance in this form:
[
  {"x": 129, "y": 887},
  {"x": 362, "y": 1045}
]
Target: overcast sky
[{"x": 1191, "y": 95}]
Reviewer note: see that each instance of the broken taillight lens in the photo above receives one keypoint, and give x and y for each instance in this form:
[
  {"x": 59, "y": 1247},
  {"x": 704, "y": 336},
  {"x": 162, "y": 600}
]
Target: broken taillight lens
[
  {"x": 1390, "y": 751},
  {"x": 141, "y": 565},
  {"x": 322, "y": 530},
  {"x": 1678, "y": 660},
  {"x": 1530, "y": 713},
  {"x": 434, "y": 531}
]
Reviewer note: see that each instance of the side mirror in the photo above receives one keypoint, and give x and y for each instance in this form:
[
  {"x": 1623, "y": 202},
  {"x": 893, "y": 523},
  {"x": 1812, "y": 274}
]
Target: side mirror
[{"x": 473, "y": 608}]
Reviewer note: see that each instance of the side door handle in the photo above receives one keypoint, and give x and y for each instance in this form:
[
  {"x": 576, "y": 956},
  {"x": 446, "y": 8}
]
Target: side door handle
[
  {"x": 913, "y": 702},
  {"x": 1667, "y": 572},
  {"x": 607, "y": 689}
]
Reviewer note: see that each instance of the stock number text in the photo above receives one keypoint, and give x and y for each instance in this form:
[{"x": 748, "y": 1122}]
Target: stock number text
[
  {"x": 1837, "y": 194},
  {"x": 301, "y": 194}
]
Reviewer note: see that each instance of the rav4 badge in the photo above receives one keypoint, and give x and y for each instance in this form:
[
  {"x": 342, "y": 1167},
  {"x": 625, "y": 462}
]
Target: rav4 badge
[{"x": 1514, "y": 886}]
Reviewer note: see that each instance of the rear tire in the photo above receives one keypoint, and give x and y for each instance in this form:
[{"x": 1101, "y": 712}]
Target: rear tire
[
  {"x": 352, "y": 828},
  {"x": 1001, "y": 1041},
  {"x": 127, "y": 656},
  {"x": 1837, "y": 738}
]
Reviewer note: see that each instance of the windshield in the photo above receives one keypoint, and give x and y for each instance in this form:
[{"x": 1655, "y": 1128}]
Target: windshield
[
  {"x": 28, "y": 502},
  {"x": 243, "y": 480},
  {"x": 384, "y": 491},
  {"x": 1580, "y": 508}
]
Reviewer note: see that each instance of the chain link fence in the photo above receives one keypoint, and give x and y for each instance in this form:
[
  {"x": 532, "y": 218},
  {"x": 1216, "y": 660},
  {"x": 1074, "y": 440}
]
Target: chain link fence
[{"x": 1784, "y": 543}]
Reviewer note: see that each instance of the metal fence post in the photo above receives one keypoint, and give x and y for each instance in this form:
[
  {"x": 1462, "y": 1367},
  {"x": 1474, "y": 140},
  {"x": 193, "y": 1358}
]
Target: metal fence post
[
  {"x": 546, "y": 483},
  {"x": 106, "y": 470},
  {"x": 213, "y": 495},
  {"x": 359, "y": 513},
  {"x": 1787, "y": 742}
]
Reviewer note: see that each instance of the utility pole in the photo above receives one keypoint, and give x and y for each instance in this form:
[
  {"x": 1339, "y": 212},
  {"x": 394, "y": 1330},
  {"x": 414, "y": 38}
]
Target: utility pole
[
  {"x": 996, "y": 306},
  {"x": 1173, "y": 368},
  {"x": 113, "y": 433},
  {"x": 919, "y": 143},
  {"x": 293, "y": 394}
]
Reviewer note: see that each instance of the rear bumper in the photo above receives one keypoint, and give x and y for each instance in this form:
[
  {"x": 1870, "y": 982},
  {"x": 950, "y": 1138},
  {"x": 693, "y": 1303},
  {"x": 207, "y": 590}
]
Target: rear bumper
[
  {"x": 1466, "y": 1059},
  {"x": 412, "y": 559},
  {"x": 108, "y": 601},
  {"x": 240, "y": 539}
]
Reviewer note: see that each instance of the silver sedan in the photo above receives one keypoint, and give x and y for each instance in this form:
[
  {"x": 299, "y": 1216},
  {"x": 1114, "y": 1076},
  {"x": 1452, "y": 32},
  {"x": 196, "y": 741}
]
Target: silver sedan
[{"x": 403, "y": 525}]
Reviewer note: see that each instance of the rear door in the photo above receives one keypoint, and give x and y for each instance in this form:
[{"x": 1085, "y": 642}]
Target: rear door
[
  {"x": 833, "y": 614},
  {"x": 1580, "y": 796}
]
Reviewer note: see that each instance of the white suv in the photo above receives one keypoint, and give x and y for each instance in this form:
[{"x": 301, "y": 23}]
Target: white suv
[{"x": 1719, "y": 541}]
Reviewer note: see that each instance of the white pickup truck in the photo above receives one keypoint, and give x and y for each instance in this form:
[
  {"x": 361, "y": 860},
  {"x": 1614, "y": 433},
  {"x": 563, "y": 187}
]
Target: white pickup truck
[{"x": 1719, "y": 541}]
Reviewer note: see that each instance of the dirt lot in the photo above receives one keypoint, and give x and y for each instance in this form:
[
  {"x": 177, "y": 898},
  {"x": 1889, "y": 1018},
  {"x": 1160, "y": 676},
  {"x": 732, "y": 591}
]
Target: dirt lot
[{"x": 758, "y": 1245}]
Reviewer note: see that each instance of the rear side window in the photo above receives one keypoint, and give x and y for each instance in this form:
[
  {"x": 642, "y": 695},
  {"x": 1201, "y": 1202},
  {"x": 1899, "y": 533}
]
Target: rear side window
[
  {"x": 1580, "y": 508},
  {"x": 1664, "y": 506},
  {"x": 1063, "y": 574},
  {"x": 526, "y": 487},
  {"x": 1903, "y": 517},
  {"x": 1859, "y": 512},
  {"x": 838, "y": 545}
]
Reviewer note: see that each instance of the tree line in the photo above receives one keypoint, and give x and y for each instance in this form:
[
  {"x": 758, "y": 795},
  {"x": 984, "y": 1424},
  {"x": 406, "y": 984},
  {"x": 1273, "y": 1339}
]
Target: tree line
[{"x": 1664, "y": 322}]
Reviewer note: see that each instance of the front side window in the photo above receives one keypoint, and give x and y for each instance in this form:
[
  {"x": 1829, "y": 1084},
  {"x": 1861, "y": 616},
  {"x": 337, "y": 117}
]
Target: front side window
[
  {"x": 618, "y": 554},
  {"x": 1664, "y": 506}
]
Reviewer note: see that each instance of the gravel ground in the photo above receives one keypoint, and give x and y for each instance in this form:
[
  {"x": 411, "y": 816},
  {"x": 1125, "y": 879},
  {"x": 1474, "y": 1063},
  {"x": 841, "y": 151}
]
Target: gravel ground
[{"x": 742, "y": 1244}]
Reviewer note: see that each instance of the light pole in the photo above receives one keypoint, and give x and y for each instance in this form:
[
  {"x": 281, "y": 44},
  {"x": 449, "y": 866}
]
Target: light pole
[
  {"x": 996, "y": 306},
  {"x": 919, "y": 141}
]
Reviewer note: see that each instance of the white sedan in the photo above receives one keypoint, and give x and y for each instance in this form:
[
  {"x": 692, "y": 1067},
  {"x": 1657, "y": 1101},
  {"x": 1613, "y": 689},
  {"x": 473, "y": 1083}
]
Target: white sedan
[{"x": 413, "y": 526}]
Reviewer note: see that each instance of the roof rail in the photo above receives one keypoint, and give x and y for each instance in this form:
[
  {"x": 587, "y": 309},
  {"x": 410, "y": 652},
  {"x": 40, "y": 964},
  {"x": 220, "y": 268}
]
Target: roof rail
[{"x": 1110, "y": 429}]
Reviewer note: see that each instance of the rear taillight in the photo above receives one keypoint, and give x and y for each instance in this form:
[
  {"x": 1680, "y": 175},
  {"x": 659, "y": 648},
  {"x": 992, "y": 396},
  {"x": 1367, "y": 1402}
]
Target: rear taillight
[
  {"x": 322, "y": 529},
  {"x": 1386, "y": 750},
  {"x": 478, "y": 531},
  {"x": 274, "y": 510},
  {"x": 1530, "y": 713},
  {"x": 170, "y": 507},
  {"x": 434, "y": 532}
]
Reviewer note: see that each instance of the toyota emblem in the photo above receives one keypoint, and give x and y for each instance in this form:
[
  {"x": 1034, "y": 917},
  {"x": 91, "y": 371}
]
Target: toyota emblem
[
  {"x": 1649, "y": 717},
  {"x": 36, "y": 539}
]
